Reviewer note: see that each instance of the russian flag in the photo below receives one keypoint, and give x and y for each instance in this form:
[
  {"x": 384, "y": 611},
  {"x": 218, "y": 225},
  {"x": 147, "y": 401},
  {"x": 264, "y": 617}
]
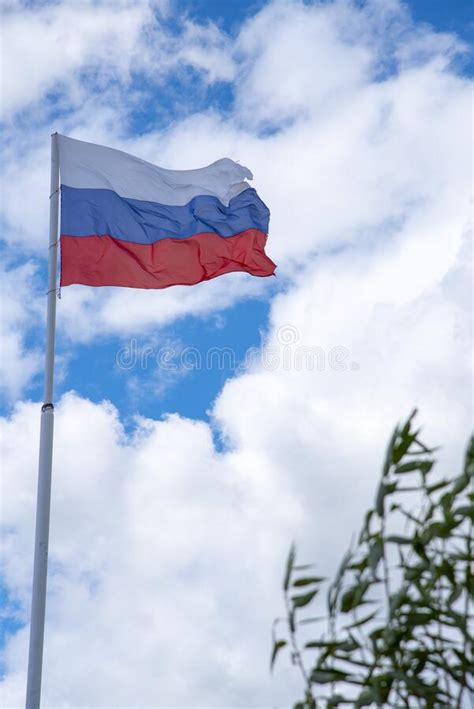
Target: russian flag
[{"x": 126, "y": 222}]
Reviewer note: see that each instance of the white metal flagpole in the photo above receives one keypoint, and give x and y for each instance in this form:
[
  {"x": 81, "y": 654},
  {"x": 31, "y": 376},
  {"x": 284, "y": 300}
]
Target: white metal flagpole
[{"x": 43, "y": 502}]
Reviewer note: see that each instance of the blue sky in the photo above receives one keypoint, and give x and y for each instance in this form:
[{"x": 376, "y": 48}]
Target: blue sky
[
  {"x": 445, "y": 16},
  {"x": 353, "y": 117}
]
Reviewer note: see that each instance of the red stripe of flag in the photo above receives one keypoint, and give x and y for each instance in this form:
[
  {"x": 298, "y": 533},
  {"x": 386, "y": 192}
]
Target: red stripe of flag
[{"x": 105, "y": 261}]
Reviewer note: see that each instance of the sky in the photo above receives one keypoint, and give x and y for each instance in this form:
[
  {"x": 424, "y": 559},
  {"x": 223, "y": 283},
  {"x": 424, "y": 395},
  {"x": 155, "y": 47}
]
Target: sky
[{"x": 199, "y": 431}]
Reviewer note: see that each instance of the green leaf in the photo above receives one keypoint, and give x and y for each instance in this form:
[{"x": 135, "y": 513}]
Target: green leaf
[
  {"x": 368, "y": 517},
  {"x": 353, "y": 597},
  {"x": 348, "y": 646},
  {"x": 469, "y": 458},
  {"x": 465, "y": 511},
  {"x": 377, "y": 633},
  {"x": 365, "y": 698},
  {"x": 316, "y": 644},
  {"x": 423, "y": 466},
  {"x": 289, "y": 567},
  {"x": 442, "y": 530},
  {"x": 301, "y": 601},
  {"x": 309, "y": 701},
  {"x": 446, "y": 501},
  {"x": 397, "y": 539},
  {"x": 419, "y": 688},
  {"x": 375, "y": 553},
  {"x": 335, "y": 700},
  {"x": 448, "y": 570},
  {"x": 397, "y": 600},
  {"x": 437, "y": 486},
  {"x": 359, "y": 565},
  {"x": 291, "y": 620},
  {"x": 328, "y": 676},
  {"x": 308, "y": 580},
  {"x": 459, "y": 620},
  {"x": 469, "y": 583},
  {"x": 334, "y": 589},
  {"x": 316, "y": 619},
  {"x": 384, "y": 490},
  {"x": 389, "y": 453},
  {"x": 419, "y": 549},
  {"x": 277, "y": 646},
  {"x": 461, "y": 483},
  {"x": 344, "y": 645},
  {"x": 382, "y": 685},
  {"x": 362, "y": 621},
  {"x": 403, "y": 445},
  {"x": 414, "y": 572},
  {"x": 456, "y": 592},
  {"x": 414, "y": 618}
]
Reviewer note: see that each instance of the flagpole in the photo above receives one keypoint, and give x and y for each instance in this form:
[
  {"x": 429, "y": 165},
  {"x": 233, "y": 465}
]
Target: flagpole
[{"x": 43, "y": 501}]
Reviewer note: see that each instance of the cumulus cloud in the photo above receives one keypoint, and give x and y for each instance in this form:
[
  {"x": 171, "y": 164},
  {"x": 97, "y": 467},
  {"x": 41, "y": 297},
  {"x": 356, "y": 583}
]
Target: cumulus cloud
[
  {"x": 207, "y": 49},
  {"x": 44, "y": 47},
  {"x": 19, "y": 310},
  {"x": 355, "y": 124},
  {"x": 64, "y": 52},
  {"x": 158, "y": 531}
]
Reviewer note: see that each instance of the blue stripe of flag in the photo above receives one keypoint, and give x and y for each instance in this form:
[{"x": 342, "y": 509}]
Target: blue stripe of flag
[{"x": 86, "y": 212}]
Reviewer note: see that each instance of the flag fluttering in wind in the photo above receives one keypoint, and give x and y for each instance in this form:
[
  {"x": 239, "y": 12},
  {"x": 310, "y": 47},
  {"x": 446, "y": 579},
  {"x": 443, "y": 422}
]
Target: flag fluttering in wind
[{"x": 126, "y": 222}]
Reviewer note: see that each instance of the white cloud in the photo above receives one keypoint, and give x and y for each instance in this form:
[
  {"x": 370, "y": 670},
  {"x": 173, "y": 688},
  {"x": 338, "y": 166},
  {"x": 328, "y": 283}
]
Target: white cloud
[
  {"x": 156, "y": 533},
  {"x": 65, "y": 52},
  {"x": 206, "y": 48},
  {"x": 18, "y": 313},
  {"x": 44, "y": 47},
  {"x": 301, "y": 63}
]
